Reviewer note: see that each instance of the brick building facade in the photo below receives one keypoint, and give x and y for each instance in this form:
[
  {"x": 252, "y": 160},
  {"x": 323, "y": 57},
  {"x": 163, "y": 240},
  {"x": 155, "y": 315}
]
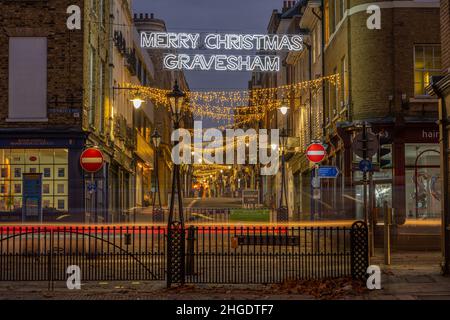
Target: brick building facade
[
  {"x": 62, "y": 94},
  {"x": 42, "y": 76},
  {"x": 384, "y": 73},
  {"x": 440, "y": 88},
  {"x": 383, "y": 78}
]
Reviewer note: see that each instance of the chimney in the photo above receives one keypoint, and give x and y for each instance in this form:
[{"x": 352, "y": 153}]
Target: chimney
[
  {"x": 146, "y": 16},
  {"x": 141, "y": 16},
  {"x": 152, "y": 16}
]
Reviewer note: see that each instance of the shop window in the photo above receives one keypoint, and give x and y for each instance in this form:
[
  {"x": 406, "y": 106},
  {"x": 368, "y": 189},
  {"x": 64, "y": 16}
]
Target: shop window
[
  {"x": 16, "y": 162},
  {"x": 422, "y": 181},
  {"x": 427, "y": 63}
]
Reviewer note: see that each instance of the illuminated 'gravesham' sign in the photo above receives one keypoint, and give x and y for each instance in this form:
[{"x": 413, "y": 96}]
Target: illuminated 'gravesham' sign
[{"x": 221, "y": 42}]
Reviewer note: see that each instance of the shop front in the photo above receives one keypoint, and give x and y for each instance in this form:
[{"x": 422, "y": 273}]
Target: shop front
[
  {"x": 41, "y": 179},
  {"x": 407, "y": 177}
]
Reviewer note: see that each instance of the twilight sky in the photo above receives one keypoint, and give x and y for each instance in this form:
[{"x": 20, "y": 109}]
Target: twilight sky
[{"x": 237, "y": 16}]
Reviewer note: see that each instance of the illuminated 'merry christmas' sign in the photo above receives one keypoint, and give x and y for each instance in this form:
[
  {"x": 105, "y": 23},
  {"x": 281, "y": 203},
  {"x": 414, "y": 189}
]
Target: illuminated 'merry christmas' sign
[{"x": 220, "y": 42}]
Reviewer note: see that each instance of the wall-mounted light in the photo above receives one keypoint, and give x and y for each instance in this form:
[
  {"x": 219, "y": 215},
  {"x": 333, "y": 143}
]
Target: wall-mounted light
[
  {"x": 137, "y": 102},
  {"x": 284, "y": 109}
]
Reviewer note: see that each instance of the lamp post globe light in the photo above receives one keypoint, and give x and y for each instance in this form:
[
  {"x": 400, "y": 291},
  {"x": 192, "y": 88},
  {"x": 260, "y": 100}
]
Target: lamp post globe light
[
  {"x": 158, "y": 213},
  {"x": 176, "y": 265}
]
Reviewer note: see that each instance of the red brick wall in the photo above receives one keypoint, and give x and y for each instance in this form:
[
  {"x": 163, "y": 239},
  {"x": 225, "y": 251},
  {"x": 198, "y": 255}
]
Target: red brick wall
[
  {"x": 445, "y": 33},
  {"x": 65, "y": 55}
]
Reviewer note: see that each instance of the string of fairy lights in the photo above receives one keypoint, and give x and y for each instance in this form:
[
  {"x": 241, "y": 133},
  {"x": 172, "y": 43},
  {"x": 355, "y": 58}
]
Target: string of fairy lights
[{"x": 242, "y": 106}]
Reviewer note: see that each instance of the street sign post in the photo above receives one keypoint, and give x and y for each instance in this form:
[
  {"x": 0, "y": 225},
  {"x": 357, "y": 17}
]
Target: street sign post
[
  {"x": 365, "y": 144},
  {"x": 365, "y": 166},
  {"x": 316, "y": 194},
  {"x": 92, "y": 188},
  {"x": 316, "y": 153},
  {"x": 315, "y": 182},
  {"x": 91, "y": 160},
  {"x": 328, "y": 172}
]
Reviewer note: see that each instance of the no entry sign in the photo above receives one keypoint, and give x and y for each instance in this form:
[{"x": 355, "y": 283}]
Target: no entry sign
[
  {"x": 316, "y": 153},
  {"x": 91, "y": 160}
]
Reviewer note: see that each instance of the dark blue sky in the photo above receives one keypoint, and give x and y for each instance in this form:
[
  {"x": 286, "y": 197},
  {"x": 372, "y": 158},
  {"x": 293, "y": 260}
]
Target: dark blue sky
[{"x": 238, "y": 16}]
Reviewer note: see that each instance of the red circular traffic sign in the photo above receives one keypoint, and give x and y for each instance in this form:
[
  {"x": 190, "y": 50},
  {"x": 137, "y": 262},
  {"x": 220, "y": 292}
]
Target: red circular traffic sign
[
  {"x": 316, "y": 153},
  {"x": 91, "y": 160}
]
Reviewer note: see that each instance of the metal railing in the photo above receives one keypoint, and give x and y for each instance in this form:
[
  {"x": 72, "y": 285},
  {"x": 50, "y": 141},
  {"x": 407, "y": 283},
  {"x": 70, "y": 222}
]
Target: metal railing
[
  {"x": 221, "y": 254},
  {"x": 102, "y": 253},
  {"x": 266, "y": 254}
]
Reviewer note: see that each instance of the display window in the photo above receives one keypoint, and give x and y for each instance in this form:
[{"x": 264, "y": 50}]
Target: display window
[
  {"x": 423, "y": 181},
  {"x": 51, "y": 163}
]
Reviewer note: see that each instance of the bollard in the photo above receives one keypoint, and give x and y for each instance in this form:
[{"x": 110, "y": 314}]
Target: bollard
[{"x": 387, "y": 233}]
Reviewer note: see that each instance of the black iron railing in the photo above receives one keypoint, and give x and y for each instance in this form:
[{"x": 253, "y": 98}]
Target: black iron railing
[
  {"x": 267, "y": 254},
  {"x": 102, "y": 253},
  {"x": 221, "y": 254}
]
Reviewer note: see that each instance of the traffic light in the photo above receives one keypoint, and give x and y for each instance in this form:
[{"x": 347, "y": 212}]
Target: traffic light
[{"x": 385, "y": 154}]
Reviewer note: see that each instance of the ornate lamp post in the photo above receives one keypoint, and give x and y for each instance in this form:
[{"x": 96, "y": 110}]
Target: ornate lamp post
[
  {"x": 176, "y": 233},
  {"x": 157, "y": 209},
  {"x": 283, "y": 209}
]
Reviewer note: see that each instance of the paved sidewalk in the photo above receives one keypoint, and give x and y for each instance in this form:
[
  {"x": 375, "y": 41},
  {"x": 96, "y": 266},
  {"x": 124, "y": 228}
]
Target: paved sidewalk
[
  {"x": 411, "y": 276},
  {"x": 414, "y": 275}
]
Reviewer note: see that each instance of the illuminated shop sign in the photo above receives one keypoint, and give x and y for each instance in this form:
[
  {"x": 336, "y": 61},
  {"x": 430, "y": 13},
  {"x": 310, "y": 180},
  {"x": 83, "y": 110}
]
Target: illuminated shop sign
[{"x": 222, "y": 42}]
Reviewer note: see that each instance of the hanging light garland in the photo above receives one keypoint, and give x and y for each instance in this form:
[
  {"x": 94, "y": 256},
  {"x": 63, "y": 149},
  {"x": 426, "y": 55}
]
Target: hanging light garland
[{"x": 242, "y": 105}]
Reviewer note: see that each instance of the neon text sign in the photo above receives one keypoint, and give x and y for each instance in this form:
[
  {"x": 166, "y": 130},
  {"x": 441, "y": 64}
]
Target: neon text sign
[{"x": 257, "y": 43}]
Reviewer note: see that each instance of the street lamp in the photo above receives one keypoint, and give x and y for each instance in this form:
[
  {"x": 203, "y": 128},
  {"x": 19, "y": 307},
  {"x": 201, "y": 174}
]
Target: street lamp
[
  {"x": 157, "y": 208},
  {"x": 137, "y": 102},
  {"x": 176, "y": 98},
  {"x": 176, "y": 265},
  {"x": 156, "y": 139},
  {"x": 284, "y": 110},
  {"x": 284, "y": 107},
  {"x": 283, "y": 209}
]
